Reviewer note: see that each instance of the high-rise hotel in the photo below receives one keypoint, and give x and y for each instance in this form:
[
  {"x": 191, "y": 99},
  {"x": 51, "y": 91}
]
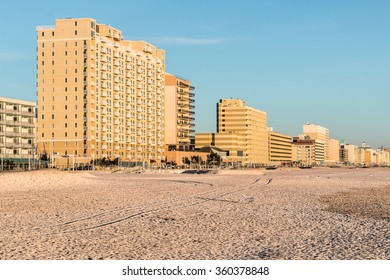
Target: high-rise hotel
[
  {"x": 179, "y": 113},
  {"x": 99, "y": 95}
]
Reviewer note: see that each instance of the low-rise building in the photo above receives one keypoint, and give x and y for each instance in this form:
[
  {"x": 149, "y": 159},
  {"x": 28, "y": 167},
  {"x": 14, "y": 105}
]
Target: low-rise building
[{"x": 17, "y": 130}]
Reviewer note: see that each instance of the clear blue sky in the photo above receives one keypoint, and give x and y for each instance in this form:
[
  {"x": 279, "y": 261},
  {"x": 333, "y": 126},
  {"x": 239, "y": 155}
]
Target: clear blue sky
[{"x": 324, "y": 62}]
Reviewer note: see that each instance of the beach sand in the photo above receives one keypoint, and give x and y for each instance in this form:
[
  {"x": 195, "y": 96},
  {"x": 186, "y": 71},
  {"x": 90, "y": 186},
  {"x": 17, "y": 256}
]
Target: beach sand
[{"x": 319, "y": 213}]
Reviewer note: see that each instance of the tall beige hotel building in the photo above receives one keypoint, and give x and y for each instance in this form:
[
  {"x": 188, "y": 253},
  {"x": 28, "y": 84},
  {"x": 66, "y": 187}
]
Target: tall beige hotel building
[{"x": 99, "y": 95}]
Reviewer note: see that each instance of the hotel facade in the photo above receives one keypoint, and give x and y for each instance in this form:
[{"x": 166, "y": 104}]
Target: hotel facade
[
  {"x": 17, "y": 130},
  {"x": 179, "y": 114},
  {"x": 279, "y": 147},
  {"x": 99, "y": 96},
  {"x": 241, "y": 131}
]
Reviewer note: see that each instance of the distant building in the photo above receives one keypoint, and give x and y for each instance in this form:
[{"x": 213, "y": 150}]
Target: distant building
[
  {"x": 334, "y": 151},
  {"x": 17, "y": 130},
  {"x": 348, "y": 153},
  {"x": 179, "y": 113},
  {"x": 279, "y": 147},
  {"x": 318, "y": 133},
  {"x": 307, "y": 151},
  {"x": 234, "y": 116},
  {"x": 232, "y": 143}
]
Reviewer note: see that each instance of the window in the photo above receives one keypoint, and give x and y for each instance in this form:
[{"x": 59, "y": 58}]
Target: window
[
  {"x": 52, "y": 33},
  {"x": 66, "y": 125},
  {"x": 52, "y": 134},
  {"x": 43, "y": 53},
  {"x": 75, "y": 32},
  {"x": 66, "y": 134},
  {"x": 43, "y": 117},
  {"x": 75, "y": 23},
  {"x": 43, "y": 34},
  {"x": 52, "y": 53},
  {"x": 52, "y": 116}
]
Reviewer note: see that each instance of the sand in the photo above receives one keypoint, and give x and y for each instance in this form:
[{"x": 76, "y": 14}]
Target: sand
[{"x": 321, "y": 213}]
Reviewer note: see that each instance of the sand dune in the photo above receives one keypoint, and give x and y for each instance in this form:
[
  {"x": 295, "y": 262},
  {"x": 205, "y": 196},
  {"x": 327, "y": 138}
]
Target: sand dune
[{"x": 276, "y": 214}]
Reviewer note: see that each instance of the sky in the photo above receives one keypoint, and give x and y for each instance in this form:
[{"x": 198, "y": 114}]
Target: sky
[{"x": 323, "y": 62}]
